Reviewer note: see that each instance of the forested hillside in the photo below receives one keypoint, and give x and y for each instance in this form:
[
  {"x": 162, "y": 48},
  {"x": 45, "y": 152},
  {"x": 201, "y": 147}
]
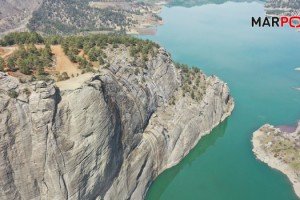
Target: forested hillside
[
  {"x": 82, "y": 16},
  {"x": 283, "y": 7},
  {"x": 14, "y": 14},
  {"x": 72, "y": 16},
  {"x": 293, "y": 4},
  {"x": 31, "y": 55},
  {"x": 76, "y": 16}
]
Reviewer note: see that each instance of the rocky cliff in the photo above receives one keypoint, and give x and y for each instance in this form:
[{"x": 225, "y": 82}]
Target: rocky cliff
[{"x": 108, "y": 138}]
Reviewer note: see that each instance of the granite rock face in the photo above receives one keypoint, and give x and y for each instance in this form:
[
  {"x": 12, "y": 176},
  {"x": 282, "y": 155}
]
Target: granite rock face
[{"x": 108, "y": 139}]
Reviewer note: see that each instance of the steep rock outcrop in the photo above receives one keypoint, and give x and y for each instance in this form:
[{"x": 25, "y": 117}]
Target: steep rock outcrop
[{"x": 107, "y": 139}]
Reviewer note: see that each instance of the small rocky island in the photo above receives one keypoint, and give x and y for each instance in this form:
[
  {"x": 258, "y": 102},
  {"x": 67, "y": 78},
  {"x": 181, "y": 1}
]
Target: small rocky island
[
  {"x": 105, "y": 132},
  {"x": 279, "y": 147}
]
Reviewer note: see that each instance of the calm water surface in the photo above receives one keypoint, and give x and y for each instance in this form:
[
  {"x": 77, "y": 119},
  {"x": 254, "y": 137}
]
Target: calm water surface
[{"x": 258, "y": 65}]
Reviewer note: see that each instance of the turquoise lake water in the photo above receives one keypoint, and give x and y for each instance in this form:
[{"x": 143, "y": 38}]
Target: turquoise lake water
[{"x": 258, "y": 65}]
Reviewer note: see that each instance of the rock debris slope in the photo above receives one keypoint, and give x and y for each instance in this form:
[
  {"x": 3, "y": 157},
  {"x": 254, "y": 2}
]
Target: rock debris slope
[{"x": 107, "y": 139}]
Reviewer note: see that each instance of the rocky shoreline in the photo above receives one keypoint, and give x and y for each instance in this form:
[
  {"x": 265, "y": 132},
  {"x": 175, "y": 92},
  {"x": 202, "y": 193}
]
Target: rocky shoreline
[{"x": 279, "y": 150}]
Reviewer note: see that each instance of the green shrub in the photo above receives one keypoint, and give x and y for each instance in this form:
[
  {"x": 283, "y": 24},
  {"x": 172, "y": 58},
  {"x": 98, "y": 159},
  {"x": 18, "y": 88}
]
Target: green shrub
[
  {"x": 63, "y": 76},
  {"x": 136, "y": 71},
  {"x": 2, "y": 64},
  {"x": 12, "y": 93}
]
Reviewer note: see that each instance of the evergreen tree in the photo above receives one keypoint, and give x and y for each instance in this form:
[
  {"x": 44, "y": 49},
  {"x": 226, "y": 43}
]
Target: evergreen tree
[
  {"x": 2, "y": 64},
  {"x": 21, "y": 51},
  {"x": 11, "y": 63},
  {"x": 31, "y": 48},
  {"x": 47, "y": 51},
  {"x": 47, "y": 56},
  {"x": 23, "y": 66},
  {"x": 101, "y": 61},
  {"x": 40, "y": 69},
  {"x": 92, "y": 54}
]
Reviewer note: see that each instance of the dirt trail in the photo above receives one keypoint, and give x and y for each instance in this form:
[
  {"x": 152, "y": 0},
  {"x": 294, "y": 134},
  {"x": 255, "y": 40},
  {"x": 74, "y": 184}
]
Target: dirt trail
[{"x": 5, "y": 52}]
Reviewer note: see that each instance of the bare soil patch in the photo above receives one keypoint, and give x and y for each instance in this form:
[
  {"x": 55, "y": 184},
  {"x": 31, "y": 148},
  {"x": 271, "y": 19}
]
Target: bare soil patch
[
  {"x": 63, "y": 63},
  {"x": 5, "y": 52}
]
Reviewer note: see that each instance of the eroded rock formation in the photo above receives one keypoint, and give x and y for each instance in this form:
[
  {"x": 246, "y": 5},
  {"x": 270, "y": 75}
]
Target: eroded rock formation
[{"x": 107, "y": 139}]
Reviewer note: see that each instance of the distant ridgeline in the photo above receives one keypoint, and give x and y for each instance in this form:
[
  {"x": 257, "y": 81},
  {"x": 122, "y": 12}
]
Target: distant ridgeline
[
  {"x": 79, "y": 16},
  {"x": 113, "y": 1},
  {"x": 73, "y": 16},
  {"x": 33, "y": 56},
  {"x": 191, "y": 3},
  {"x": 283, "y": 7}
]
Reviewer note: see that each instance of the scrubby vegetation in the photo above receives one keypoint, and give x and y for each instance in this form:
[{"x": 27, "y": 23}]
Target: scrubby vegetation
[
  {"x": 283, "y": 7},
  {"x": 283, "y": 4},
  {"x": 33, "y": 56},
  {"x": 194, "y": 83},
  {"x": 78, "y": 16},
  {"x": 28, "y": 58},
  {"x": 21, "y": 38},
  {"x": 12, "y": 93},
  {"x": 73, "y": 16},
  {"x": 63, "y": 76},
  {"x": 87, "y": 51},
  {"x": 2, "y": 64},
  {"x": 93, "y": 48},
  {"x": 282, "y": 146}
]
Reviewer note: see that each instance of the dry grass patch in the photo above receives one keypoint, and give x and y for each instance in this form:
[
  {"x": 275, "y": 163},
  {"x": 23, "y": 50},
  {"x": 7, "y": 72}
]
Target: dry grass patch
[{"x": 63, "y": 63}]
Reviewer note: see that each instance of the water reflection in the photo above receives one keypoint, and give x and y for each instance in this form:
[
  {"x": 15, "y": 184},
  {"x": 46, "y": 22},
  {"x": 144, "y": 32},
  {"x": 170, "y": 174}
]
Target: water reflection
[{"x": 202, "y": 146}]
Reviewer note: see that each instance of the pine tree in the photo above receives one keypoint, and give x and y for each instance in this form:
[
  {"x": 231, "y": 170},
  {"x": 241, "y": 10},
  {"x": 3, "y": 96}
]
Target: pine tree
[
  {"x": 40, "y": 69},
  {"x": 92, "y": 54},
  {"x": 21, "y": 51},
  {"x": 2, "y": 64},
  {"x": 11, "y": 63},
  {"x": 23, "y": 66}
]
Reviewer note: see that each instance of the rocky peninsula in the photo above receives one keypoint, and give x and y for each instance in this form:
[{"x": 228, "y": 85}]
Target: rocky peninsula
[
  {"x": 107, "y": 137},
  {"x": 279, "y": 148}
]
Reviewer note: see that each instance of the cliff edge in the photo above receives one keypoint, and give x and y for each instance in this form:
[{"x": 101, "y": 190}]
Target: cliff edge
[{"x": 107, "y": 138}]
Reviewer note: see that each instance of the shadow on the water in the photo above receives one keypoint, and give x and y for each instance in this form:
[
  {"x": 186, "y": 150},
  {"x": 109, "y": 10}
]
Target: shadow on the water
[
  {"x": 206, "y": 142},
  {"x": 191, "y": 3}
]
